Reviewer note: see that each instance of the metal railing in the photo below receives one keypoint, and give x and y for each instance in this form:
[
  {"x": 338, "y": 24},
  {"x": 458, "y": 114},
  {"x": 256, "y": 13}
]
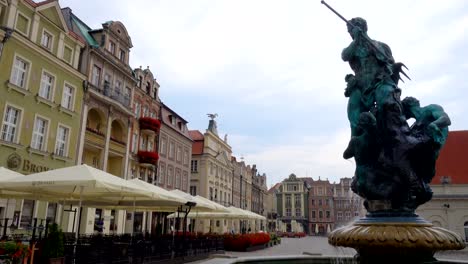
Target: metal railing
[{"x": 114, "y": 94}]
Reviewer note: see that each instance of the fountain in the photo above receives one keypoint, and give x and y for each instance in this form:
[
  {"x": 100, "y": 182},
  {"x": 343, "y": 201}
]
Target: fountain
[{"x": 395, "y": 162}]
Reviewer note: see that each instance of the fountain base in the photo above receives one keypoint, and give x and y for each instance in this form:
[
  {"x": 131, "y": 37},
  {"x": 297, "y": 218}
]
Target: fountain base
[{"x": 395, "y": 239}]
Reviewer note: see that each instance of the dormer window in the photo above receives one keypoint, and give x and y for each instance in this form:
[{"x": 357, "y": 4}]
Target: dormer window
[
  {"x": 122, "y": 55},
  {"x": 111, "y": 47},
  {"x": 46, "y": 40},
  {"x": 173, "y": 120}
]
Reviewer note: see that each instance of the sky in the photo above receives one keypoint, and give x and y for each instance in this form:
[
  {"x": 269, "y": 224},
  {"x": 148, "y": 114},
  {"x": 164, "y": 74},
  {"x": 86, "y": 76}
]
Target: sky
[{"x": 272, "y": 69}]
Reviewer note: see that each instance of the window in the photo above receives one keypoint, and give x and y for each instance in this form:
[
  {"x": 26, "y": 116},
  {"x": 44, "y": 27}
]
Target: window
[
  {"x": 297, "y": 199},
  {"x": 193, "y": 190},
  {"x": 11, "y": 122},
  {"x": 340, "y": 216},
  {"x": 27, "y": 213},
  {"x": 68, "y": 97},
  {"x": 96, "y": 75},
  {"x": 46, "y": 40},
  {"x": 122, "y": 55},
  {"x": 194, "y": 166},
  {"x": 177, "y": 180},
  {"x": 162, "y": 174},
  {"x": 320, "y": 214},
  {"x": 171, "y": 150},
  {"x": 143, "y": 143},
  {"x": 288, "y": 211},
  {"x": 22, "y": 24},
  {"x": 327, "y": 213},
  {"x": 47, "y": 86},
  {"x": 20, "y": 72},
  {"x": 313, "y": 214},
  {"x": 179, "y": 154},
  {"x": 118, "y": 88},
  {"x": 145, "y": 111},
  {"x": 319, "y": 191},
  {"x": 150, "y": 146},
  {"x": 67, "y": 54},
  {"x": 184, "y": 181},
  {"x": 298, "y": 211},
  {"x": 137, "y": 109},
  {"x": 313, "y": 202},
  {"x": 211, "y": 193},
  {"x": 173, "y": 120},
  {"x": 356, "y": 214},
  {"x": 347, "y": 215},
  {"x": 135, "y": 143},
  {"x": 170, "y": 175},
  {"x": 51, "y": 211},
  {"x": 186, "y": 157},
  {"x": 39, "y": 133},
  {"x": 61, "y": 145},
  {"x": 320, "y": 202},
  {"x": 163, "y": 148},
  {"x": 288, "y": 200},
  {"x": 111, "y": 47}
]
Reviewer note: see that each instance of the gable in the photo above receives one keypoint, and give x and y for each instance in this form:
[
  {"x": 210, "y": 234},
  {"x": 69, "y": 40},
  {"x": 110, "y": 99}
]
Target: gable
[
  {"x": 222, "y": 157},
  {"x": 53, "y": 13}
]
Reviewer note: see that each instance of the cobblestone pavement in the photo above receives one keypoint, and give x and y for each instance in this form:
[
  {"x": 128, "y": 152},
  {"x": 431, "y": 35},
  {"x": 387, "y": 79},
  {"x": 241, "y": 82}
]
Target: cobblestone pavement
[{"x": 316, "y": 245}]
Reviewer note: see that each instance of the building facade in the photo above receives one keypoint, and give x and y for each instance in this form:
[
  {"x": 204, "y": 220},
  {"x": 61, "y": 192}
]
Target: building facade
[
  {"x": 107, "y": 110},
  {"x": 321, "y": 213},
  {"x": 212, "y": 171},
  {"x": 292, "y": 197},
  {"x": 41, "y": 93},
  {"x": 348, "y": 206},
  {"x": 175, "y": 147},
  {"x": 144, "y": 134}
]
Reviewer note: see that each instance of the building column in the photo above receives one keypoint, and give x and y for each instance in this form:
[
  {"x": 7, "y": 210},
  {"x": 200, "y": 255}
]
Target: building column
[
  {"x": 34, "y": 28},
  {"x": 81, "y": 140},
  {"x": 127, "y": 150},
  {"x": 106, "y": 146},
  {"x": 13, "y": 6}
]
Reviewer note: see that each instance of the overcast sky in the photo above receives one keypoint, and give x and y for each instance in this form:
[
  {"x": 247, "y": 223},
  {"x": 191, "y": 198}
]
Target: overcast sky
[{"x": 272, "y": 69}]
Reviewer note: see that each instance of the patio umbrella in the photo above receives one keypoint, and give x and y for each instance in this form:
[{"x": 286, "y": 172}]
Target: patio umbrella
[
  {"x": 77, "y": 183},
  {"x": 6, "y": 175},
  {"x": 201, "y": 205}
]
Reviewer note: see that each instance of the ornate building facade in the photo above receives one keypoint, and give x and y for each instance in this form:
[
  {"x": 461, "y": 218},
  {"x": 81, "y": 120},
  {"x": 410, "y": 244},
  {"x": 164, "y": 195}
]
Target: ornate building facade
[
  {"x": 292, "y": 197},
  {"x": 107, "y": 109}
]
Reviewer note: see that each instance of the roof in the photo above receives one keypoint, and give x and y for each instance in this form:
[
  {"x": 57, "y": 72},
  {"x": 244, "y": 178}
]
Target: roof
[
  {"x": 196, "y": 135},
  {"x": 198, "y": 142},
  {"x": 78, "y": 27},
  {"x": 274, "y": 188},
  {"x": 180, "y": 127},
  {"x": 453, "y": 159},
  {"x": 34, "y": 4}
]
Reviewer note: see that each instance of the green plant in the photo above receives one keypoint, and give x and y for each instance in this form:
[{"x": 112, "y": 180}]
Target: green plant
[
  {"x": 53, "y": 246},
  {"x": 14, "y": 251}
]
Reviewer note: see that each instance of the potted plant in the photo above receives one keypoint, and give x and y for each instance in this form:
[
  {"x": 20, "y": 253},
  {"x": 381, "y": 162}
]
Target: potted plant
[{"x": 53, "y": 249}]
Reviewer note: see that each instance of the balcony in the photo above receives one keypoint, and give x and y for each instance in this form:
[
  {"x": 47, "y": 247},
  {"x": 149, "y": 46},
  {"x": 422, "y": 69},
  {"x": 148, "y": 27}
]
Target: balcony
[
  {"x": 148, "y": 158},
  {"x": 150, "y": 124},
  {"x": 114, "y": 94}
]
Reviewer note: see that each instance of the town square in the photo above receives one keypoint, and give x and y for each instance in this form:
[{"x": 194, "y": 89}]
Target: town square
[{"x": 208, "y": 131}]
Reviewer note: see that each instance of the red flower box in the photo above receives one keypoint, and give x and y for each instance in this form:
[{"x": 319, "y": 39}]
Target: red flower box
[
  {"x": 150, "y": 123},
  {"x": 148, "y": 157},
  {"x": 240, "y": 242}
]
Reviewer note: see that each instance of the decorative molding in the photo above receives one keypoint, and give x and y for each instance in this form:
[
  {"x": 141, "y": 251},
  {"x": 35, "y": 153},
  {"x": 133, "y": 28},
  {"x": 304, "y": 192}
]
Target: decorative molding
[{"x": 18, "y": 89}]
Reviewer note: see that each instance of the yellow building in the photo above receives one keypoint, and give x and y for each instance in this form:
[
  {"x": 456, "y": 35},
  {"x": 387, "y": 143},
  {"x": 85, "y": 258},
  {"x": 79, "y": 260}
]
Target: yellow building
[{"x": 41, "y": 93}]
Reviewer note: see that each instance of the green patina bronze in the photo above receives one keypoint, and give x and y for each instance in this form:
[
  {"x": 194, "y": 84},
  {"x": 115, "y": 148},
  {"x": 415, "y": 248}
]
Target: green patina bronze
[{"x": 395, "y": 162}]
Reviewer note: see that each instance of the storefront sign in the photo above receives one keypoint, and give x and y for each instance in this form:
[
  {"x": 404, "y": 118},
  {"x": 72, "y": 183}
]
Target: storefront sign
[{"x": 15, "y": 162}]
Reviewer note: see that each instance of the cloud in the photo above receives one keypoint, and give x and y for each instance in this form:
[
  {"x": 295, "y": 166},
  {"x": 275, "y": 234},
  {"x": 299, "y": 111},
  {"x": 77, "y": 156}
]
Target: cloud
[{"x": 272, "y": 68}]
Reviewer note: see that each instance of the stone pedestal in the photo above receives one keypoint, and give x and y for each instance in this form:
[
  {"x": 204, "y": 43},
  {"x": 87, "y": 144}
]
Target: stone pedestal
[{"x": 395, "y": 239}]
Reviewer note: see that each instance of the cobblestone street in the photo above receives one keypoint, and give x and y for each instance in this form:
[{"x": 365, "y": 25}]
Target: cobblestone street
[{"x": 315, "y": 246}]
